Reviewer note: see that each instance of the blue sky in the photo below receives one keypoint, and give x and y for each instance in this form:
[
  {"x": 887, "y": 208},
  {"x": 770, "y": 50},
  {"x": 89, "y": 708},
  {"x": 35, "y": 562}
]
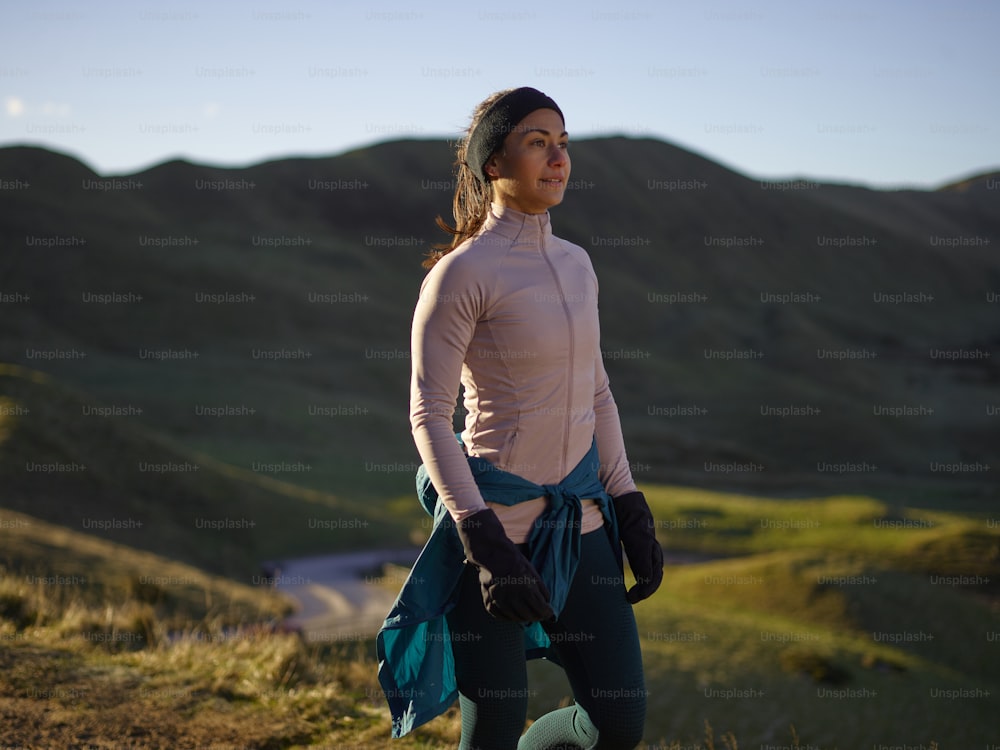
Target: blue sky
[{"x": 879, "y": 93}]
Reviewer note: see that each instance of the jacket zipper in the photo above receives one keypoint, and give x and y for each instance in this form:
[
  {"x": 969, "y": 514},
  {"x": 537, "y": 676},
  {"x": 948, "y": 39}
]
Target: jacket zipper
[{"x": 563, "y": 470}]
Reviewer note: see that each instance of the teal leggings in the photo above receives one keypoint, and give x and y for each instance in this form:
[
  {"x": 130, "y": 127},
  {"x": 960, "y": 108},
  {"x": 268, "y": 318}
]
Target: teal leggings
[{"x": 595, "y": 638}]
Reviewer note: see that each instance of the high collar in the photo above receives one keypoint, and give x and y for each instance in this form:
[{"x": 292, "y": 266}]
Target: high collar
[{"x": 519, "y": 226}]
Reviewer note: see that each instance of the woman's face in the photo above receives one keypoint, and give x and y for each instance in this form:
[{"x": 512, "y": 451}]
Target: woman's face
[{"x": 530, "y": 172}]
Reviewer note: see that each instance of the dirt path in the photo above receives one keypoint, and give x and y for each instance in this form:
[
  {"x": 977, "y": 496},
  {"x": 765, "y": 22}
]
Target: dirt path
[{"x": 341, "y": 597}]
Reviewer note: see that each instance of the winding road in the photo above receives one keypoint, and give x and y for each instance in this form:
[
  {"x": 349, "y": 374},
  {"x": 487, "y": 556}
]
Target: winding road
[
  {"x": 345, "y": 597},
  {"x": 341, "y": 597}
]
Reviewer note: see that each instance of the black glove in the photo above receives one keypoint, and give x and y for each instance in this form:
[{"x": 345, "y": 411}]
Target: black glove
[
  {"x": 512, "y": 588},
  {"x": 645, "y": 556}
]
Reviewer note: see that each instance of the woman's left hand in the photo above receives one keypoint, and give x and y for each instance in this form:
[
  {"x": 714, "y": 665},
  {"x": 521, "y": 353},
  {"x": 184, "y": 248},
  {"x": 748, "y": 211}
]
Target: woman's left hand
[{"x": 637, "y": 532}]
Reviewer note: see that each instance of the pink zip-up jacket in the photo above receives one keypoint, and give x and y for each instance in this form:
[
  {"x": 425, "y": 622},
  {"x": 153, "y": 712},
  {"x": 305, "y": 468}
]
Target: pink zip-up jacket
[{"x": 512, "y": 314}]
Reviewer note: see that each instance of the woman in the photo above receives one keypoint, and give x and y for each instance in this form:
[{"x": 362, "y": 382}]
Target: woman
[{"x": 537, "y": 497}]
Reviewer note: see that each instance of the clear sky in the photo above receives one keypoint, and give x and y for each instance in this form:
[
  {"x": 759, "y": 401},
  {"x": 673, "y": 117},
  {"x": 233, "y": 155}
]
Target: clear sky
[{"x": 884, "y": 93}]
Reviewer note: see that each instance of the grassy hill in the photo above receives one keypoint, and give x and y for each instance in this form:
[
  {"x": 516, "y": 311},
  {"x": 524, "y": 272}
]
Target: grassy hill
[
  {"x": 69, "y": 459},
  {"x": 109, "y": 646},
  {"x": 832, "y": 615},
  {"x": 853, "y": 639},
  {"x": 202, "y": 369},
  {"x": 84, "y": 587},
  {"x": 769, "y": 334}
]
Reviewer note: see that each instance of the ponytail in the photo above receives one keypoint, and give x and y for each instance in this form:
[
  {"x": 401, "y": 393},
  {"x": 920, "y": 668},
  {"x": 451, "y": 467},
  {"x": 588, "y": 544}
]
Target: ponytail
[{"x": 471, "y": 204}]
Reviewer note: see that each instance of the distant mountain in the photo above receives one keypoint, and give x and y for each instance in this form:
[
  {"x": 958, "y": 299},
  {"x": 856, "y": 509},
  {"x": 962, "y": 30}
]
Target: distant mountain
[{"x": 759, "y": 334}]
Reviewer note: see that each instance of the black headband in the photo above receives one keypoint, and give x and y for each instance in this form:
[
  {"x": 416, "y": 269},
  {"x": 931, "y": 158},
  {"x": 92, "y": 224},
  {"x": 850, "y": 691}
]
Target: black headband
[{"x": 501, "y": 119}]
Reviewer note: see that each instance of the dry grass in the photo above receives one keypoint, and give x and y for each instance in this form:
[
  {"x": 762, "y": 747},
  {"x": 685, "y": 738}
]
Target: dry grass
[
  {"x": 246, "y": 688},
  {"x": 104, "y": 646}
]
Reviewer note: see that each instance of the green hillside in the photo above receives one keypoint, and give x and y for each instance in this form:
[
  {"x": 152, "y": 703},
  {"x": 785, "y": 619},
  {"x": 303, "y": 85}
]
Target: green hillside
[
  {"x": 772, "y": 334},
  {"x": 77, "y": 584},
  {"x": 73, "y": 461},
  {"x": 840, "y": 616},
  {"x": 204, "y": 369}
]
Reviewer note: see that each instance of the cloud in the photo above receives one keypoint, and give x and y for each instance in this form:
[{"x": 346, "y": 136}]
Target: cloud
[
  {"x": 14, "y": 106},
  {"x": 56, "y": 109}
]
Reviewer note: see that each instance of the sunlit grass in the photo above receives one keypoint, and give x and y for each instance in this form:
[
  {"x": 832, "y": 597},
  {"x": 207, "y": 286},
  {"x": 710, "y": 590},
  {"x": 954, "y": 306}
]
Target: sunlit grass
[
  {"x": 117, "y": 643},
  {"x": 918, "y": 539},
  {"x": 789, "y": 616}
]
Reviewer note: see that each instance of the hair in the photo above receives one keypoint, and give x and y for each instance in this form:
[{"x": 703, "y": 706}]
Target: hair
[{"x": 471, "y": 203}]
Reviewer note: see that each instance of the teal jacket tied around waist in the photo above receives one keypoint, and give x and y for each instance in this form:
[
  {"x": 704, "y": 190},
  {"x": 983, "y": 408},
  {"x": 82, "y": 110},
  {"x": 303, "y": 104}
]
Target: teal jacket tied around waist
[{"x": 416, "y": 666}]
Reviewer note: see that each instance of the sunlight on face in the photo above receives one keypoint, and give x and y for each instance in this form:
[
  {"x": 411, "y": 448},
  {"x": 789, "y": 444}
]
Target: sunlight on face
[{"x": 530, "y": 172}]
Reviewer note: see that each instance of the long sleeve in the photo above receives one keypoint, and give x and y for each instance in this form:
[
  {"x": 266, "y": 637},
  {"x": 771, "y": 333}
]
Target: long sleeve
[
  {"x": 444, "y": 323},
  {"x": 615, "y": 474}
]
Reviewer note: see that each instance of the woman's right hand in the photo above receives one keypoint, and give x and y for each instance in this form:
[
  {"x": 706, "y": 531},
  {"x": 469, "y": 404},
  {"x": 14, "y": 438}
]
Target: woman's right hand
[{"x": 511, "y": 587}]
